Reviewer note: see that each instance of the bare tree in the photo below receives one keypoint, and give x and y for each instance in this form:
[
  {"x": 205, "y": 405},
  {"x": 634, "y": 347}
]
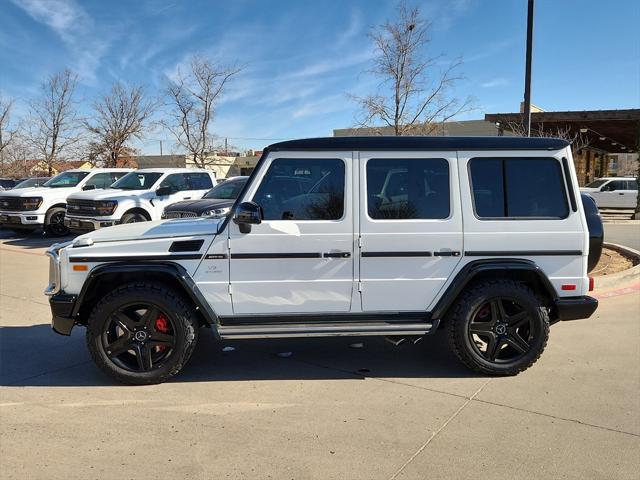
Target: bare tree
[
  {"x": 193, "y": 98},
  {"x": 414, "y": 95},
  {"x": 578, "y": 140},
  {"x": 6, "y": 134},
  {"x": 118, "y": 117},
  {"x": 53, "y": 123}
]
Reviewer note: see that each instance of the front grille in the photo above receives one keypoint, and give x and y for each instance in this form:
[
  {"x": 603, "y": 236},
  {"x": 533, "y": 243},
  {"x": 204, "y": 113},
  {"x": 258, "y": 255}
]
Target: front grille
[
  {"x": 13, "y": 204},
  {"x": 179, "y": 214},
  {"x": 82, "y": 207}
]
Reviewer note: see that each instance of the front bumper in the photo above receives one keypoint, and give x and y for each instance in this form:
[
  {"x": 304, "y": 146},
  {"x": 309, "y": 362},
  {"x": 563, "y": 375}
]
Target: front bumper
[
  {"x": 26, "y": 219},
  {"x": 575, "y": 308},
  {"x": 62, "y": 320},
  {"x": 88, "y": 224}
]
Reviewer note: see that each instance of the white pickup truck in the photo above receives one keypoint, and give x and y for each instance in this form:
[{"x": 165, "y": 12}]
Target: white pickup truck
[
  {"x": 31, "y": 208},
  {"x": 137, "y": 197}
]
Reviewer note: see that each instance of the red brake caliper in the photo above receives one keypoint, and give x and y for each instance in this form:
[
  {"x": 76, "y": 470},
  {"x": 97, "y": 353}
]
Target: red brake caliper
[{"x": 162, "y": 325}]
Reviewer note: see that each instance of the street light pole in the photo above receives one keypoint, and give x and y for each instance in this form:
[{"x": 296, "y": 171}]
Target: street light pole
[{"x": 527, "y": 73}]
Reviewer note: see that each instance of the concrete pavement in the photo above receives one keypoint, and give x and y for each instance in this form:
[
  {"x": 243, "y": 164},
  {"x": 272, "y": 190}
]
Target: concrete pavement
[
  {"x": 328, "y": 411},
  {"x": 623, "y": 234}
]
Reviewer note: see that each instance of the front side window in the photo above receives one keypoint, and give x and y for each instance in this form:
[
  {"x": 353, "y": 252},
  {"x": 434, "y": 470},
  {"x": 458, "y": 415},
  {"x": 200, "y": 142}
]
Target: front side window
[
  {"x": 614, "y": 185},
  {"x": 302, "y": 189},
  {"x": 518, "y": 188},
  {"x": 99, "y": 180},
  {"x": 176, "y": 181},
  {"x": 408, "y": 189},
  {"x": 66, "y": 180},
  {"x": 137, "y": 181}
]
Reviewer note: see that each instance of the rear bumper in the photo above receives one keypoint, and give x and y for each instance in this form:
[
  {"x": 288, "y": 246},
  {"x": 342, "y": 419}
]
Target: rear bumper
[
  {"x": 62, "y": 320},
  {"x": 575, "y": 308}
]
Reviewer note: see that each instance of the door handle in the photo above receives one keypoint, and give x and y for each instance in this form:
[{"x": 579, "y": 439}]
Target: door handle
[
  {"x": 621, "y": 193},
  {"x": 336, "y": 254}
]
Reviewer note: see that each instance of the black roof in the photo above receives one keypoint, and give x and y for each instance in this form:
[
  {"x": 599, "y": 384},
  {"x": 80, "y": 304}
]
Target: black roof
[{"x": 421, "y": 143}]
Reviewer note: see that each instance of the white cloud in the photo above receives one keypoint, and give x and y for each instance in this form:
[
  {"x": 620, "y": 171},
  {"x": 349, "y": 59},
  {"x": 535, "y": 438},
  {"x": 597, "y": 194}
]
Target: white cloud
[
  {"x": 75, "y": 28},
  {"x": 496, "y": 82}
]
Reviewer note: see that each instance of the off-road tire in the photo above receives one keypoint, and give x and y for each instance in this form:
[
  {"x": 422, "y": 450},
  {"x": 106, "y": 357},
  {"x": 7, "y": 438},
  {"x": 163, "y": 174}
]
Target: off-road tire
[
  {"x": 157, "y": 294},
  {"x": 470, "y": 300}
]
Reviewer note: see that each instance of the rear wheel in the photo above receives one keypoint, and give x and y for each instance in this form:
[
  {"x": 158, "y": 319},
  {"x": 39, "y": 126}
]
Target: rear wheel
[
  {"x": 499, "y": 327},
  {"x": 142, "y": 333},
  {"x": 54, "y": 222}
]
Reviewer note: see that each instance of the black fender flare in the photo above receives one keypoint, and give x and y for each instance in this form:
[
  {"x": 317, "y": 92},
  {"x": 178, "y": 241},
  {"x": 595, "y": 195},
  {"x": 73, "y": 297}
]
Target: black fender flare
[
  {"x": 473, "y": 269},
  {"x": 173, "y": 270}
]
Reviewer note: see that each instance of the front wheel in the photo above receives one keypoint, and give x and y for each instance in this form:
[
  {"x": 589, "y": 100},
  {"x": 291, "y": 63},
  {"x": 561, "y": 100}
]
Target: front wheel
[
  {"x": 133, "y": 218},
  {"x": 142, "y": 333},
  {"x": 499, "y": 327},
  {"x": 54, "y": 222}
]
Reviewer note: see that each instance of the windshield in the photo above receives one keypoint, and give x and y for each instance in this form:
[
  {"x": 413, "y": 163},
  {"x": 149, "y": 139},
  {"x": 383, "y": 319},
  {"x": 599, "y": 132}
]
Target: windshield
[
  {"x": 137, "y": 181},
  {"x": 596, "y": 184},
  {"x": 228, "y": 190},
  {"x": 66, "y": 180},
  {"x": 31, "y": 182}
]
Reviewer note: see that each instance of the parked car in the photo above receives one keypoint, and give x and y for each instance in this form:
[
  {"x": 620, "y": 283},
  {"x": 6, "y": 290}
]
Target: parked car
[
  {"x": 44, "y": 206},
  {"x": 139, "y": 196},
  {"x": 31, "y": 182},
  {"x": 217, "y": 202},
  {"x": 394, "y": 236},
  {"x": 613, "y": 192},
  {"x": 7, "y": 184}
]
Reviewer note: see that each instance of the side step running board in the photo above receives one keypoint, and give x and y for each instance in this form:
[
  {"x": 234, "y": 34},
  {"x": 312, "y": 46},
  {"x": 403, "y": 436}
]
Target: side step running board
[{"x": 325, "y": 330}]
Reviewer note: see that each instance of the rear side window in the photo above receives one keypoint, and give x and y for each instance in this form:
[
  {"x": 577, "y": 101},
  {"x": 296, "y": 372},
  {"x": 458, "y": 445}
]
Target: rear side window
[
  {"x": 518, "y": 188},
  {"x": 632, "y": 185},
  {"x": 199, "y": 181},
  {"x": 400, "y": 189}
]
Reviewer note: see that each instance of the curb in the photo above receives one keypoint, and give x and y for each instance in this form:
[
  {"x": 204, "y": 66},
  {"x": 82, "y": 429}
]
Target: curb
[
  {"x": 621, "y": 222},
  {"x": 620, "y": 278}
]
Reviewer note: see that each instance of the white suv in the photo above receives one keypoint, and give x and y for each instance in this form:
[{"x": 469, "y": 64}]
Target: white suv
[
  {"x": 613, "y": 192},
  {"x": 44, "y": 206},
  {"x": 139, "y": 196},
  {"x": 395, "y": 236}
]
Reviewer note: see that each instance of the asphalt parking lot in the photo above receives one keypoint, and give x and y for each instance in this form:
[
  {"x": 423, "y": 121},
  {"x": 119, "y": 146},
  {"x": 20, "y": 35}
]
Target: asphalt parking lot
[{"x": 327, "y": 411}]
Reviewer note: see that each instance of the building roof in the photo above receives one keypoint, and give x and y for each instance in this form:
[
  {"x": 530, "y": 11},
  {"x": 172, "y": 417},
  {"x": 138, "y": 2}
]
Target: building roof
[{"x": 421, "y": 143}]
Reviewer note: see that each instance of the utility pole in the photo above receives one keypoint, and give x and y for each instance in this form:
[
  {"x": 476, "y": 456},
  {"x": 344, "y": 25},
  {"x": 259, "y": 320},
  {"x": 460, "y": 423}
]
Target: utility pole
[
  {"x": 527, "y": 74},
  {"x": 160, "y": 147}
]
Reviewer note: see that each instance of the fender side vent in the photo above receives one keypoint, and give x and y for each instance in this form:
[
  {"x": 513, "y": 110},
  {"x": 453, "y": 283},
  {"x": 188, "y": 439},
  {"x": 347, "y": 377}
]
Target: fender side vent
[{"x": 186, "y": 246}]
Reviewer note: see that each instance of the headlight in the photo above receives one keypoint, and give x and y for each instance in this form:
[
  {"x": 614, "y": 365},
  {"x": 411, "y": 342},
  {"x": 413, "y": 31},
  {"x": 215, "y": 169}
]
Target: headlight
[
  {"x": 106, "y": 207},
  {"x": 217, "y": 212},
  {"x": 31, "y": 203}
]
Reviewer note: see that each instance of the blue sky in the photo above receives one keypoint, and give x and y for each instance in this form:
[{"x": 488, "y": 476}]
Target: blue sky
[{"x": 300, "y": 58}]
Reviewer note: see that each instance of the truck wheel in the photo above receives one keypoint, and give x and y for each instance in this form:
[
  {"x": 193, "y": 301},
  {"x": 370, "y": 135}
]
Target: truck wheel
[
  {"x": 133, "y": 218},
  {"x": 498, "y": 327},
  {"x": 54, "y": 222},
  {"x": 142, "y": 333}
]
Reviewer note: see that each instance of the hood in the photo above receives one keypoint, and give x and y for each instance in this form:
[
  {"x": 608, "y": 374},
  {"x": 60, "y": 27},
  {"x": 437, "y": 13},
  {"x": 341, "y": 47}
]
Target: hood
[
  {"x": 106, "y": 194},
  {"x": 589, "y": 189},
  {"x": 158, "y": 229},
  {"x": 199, "y": 206},
  {"x": 36, "y": 192}
]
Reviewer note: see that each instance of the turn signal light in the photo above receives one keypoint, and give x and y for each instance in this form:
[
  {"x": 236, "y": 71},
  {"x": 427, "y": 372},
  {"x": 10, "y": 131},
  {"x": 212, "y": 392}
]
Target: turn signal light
[
  {"x": 568, "y": 286},
  {"x": 592, "y": 284},
  {"x": 80, "y": 268}
]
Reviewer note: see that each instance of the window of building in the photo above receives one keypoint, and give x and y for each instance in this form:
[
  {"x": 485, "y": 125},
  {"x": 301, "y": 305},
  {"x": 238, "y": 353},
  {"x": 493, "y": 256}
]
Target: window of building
[
  {"x": 302, "y": 189},
  {"x": 518, "y": 188},
  {"x": 400, "y": 189}
]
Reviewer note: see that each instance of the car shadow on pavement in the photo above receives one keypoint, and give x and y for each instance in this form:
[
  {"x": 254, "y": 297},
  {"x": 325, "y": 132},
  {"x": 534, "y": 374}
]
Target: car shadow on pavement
[
  {"x": 36, "y": 356},
  {"x": 31, "y": 240}
]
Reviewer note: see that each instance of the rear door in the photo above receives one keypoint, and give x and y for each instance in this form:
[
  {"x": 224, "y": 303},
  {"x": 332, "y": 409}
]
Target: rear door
[
  {"x": 410, "y": 228},
  {"x": 631, "y": 194}
]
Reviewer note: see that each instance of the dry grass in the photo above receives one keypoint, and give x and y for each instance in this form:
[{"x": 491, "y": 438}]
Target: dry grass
[{"x": 611, "y": 262}]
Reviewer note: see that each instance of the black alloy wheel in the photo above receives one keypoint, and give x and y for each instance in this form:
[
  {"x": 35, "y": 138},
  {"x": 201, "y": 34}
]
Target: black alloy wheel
[
  {"x": 55, "y": 223},
  {"x": 139, "y": 337}
]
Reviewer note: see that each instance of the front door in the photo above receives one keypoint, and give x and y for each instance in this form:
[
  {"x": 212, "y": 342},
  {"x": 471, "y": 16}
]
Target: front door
[
  {"x": 410, "y": 227},
  {"x": 300, "y": 258}
]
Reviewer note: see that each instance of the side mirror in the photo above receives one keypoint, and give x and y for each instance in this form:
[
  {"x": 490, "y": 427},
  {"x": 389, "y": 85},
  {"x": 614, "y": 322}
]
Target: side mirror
[
  {"x": 89, "y": 187},
  {"x": 247, "y": 214},
  {"x": 164, "y": 191}
]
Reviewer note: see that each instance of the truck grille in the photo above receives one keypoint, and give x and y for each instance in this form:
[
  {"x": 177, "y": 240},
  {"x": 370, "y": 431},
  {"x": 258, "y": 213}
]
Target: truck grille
[
  {"x": 13, "y": 204},
  {"x": 178, "y": 214},
  {"x": 82, "y": 207}
]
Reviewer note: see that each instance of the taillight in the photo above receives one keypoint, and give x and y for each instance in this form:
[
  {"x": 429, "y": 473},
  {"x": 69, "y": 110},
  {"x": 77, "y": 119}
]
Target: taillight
[
  {"x": 569, "y": 286},
  {"x": 592, "y": 284}
]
